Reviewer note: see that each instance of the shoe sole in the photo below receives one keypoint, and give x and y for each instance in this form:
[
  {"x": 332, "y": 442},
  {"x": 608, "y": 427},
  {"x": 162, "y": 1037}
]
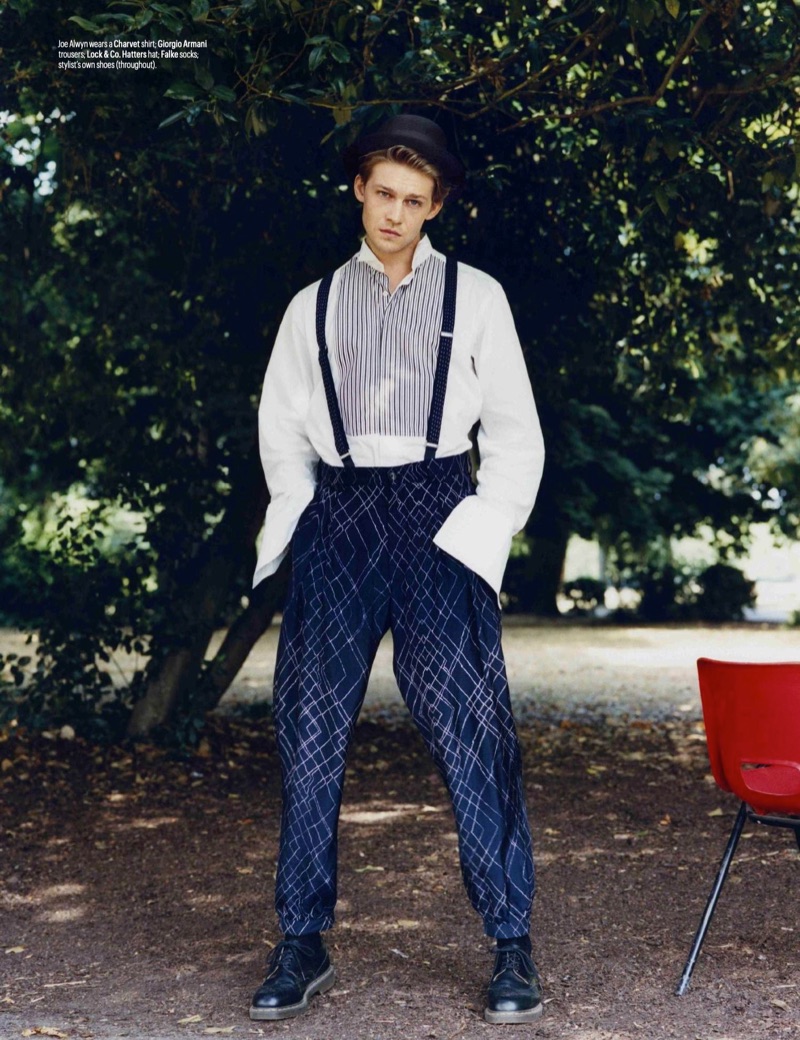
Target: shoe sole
[
  {"x": 319, "y": 985},
  {"x": 499, "y": 1018}
]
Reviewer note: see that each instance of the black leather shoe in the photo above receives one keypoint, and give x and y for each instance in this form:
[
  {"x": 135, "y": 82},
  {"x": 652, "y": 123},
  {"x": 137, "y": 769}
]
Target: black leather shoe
[
  {"x": 294, "y": 973},
  {"x": 515, "y": 992}
]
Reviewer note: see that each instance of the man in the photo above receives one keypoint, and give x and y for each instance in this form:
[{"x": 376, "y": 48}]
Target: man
[{"x": 377, "y": 376}]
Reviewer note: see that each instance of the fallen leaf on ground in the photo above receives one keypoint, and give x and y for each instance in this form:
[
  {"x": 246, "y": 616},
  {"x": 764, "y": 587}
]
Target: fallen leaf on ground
[
  {"x": 780, "y": 1004},
  {"x": 363, "y": 870},
  {"x": 188, "y": 1021},
  {"x": 15, "y": 949},
  {"x": 45, "y": 1031},
  {"x": 220, "y": 1029},
  {"x": 716, "y": 812}
]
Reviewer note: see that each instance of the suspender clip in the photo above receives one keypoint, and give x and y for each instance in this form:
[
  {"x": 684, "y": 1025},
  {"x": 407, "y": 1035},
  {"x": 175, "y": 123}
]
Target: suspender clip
[{"x": 448, "y": 334}]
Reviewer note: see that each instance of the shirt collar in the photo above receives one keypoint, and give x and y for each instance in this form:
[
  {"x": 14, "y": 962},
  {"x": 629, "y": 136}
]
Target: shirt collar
[{"x": 421, "y": 253}]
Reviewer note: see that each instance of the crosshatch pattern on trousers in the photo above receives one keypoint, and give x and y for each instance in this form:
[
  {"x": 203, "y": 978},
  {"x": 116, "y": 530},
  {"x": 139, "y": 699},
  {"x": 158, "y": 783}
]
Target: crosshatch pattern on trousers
[{"x": 364, "y": 562}]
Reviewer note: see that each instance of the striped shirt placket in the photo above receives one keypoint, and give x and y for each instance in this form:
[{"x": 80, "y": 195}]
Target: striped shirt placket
[
  {"x": 385, "y": 347},
  {"x": 361, "y": 366}
]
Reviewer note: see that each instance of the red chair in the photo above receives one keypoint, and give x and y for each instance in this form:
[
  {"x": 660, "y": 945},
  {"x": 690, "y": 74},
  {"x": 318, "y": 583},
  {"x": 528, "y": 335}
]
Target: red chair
[{"x": 752, "y": 718}]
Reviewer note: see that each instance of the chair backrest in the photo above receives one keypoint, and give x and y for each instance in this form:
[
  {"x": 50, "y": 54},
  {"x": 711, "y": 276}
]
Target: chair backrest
[{"x": 752, "y": 718}]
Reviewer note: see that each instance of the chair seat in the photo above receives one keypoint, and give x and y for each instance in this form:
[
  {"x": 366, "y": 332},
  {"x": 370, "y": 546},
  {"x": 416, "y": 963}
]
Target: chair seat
[{"x": 779, "y": 779}]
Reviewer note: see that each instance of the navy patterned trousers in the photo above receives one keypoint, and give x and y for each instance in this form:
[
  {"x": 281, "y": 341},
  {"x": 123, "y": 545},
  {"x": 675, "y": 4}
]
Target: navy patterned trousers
[{"x": 364, "y": 562}]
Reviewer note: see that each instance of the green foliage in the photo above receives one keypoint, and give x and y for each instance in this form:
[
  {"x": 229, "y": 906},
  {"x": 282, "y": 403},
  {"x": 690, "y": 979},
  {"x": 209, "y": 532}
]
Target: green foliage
[
  {"x": 86, "y": 604},
  {"x": 774, "y": 460},
  {"x": 632, "y": 184},
  {"x": 667, "y": 592},
  {"x": 586, "y": 594},
  {"x": 141, "y": 295},
  {"x": 725, "y": 593},
  {"x": 674, "y": 592}
]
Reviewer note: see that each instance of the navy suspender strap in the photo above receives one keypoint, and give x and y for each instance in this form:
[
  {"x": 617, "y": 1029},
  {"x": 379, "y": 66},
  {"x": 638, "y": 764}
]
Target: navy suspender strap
[
  {"x": 442, "y": 358},
  {"x": 439, "y": 379},
  {"x": 339, "y": 436}
]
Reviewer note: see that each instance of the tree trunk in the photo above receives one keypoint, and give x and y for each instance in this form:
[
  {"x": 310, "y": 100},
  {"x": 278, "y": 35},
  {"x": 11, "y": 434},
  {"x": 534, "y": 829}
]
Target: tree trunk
[
  {"x": 175, "y": 667},
  {"x": 248, "y": 627},
  {"x": 170, "y": 683},
  {"x": 175, "y": 671},
  {"x": 544, "y": 574},
  {"x": 549, "y": 530}
]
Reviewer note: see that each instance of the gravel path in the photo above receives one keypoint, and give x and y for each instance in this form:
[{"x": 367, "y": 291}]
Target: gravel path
[
  {"x": 585, "y": 671},
  {"x": 559, "y": 669}
]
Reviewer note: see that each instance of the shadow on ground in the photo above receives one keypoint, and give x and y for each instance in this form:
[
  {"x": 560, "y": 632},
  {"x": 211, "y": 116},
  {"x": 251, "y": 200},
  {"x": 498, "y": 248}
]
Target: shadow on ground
[{"x": 136, "y": 891}]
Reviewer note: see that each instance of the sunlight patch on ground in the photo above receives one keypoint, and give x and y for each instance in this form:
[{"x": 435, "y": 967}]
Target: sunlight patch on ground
[
  {"x": 376, "y": 815},
  {"x": 204, "y": 900},
  {"x": 58, "y": 914},
  {"x": 380, "y": 927},
  {"x": 60, "y": 891},
  {"x": 146, "y": 824},
  {"x": 61, "y": 916}
]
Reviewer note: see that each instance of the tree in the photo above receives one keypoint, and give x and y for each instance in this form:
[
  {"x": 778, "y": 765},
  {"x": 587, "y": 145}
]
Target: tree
[
  {"x": 634, "y": 164},
  {"x": 774, "y": 462}
]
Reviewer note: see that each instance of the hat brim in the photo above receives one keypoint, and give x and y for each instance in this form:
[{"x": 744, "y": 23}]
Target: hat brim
[{"x": 451, "y": 169}]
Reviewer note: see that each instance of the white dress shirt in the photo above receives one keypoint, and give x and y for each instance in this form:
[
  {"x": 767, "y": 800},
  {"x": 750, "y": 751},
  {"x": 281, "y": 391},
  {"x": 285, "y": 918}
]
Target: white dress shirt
[{"x": 487, "y": 382}]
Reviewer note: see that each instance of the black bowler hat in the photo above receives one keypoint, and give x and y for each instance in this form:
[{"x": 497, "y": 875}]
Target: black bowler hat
[{"x": 416, "y": 132}]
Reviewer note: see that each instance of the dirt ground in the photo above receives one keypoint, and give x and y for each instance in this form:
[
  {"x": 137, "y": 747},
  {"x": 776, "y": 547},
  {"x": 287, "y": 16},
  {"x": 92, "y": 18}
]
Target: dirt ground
[{"x": 135, "y": 884}]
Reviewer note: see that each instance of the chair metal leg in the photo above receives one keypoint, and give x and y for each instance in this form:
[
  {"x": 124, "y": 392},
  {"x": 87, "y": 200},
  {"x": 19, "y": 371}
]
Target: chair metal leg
[
  {"x": 711, "y": 905},
  {"x": 797, "y": 837}
]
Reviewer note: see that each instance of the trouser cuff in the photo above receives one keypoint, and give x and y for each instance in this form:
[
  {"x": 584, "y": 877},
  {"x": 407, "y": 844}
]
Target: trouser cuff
[
  {"x": 298, "y": 926},
  {"x": 507, "y": 929}
]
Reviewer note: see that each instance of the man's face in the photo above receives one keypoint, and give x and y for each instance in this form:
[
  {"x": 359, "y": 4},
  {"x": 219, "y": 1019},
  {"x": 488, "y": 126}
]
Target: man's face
[{"x": 397, "y": 202}]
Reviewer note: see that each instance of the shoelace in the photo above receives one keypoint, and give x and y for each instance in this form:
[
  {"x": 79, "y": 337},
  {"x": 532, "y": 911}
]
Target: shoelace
[
  {"x": 511, "y": 960},
  {"x": 286, "y": 955}
]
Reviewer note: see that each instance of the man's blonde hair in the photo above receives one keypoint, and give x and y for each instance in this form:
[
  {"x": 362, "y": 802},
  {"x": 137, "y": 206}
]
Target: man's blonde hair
[{"x": 405, "y": 156}]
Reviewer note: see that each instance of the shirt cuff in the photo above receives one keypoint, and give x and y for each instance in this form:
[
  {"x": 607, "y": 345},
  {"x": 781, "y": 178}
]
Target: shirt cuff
[
  {"x": 283, "y": 512},
  {"x": 263, "y": 570},
  {"x": 479, "y": 536}
]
